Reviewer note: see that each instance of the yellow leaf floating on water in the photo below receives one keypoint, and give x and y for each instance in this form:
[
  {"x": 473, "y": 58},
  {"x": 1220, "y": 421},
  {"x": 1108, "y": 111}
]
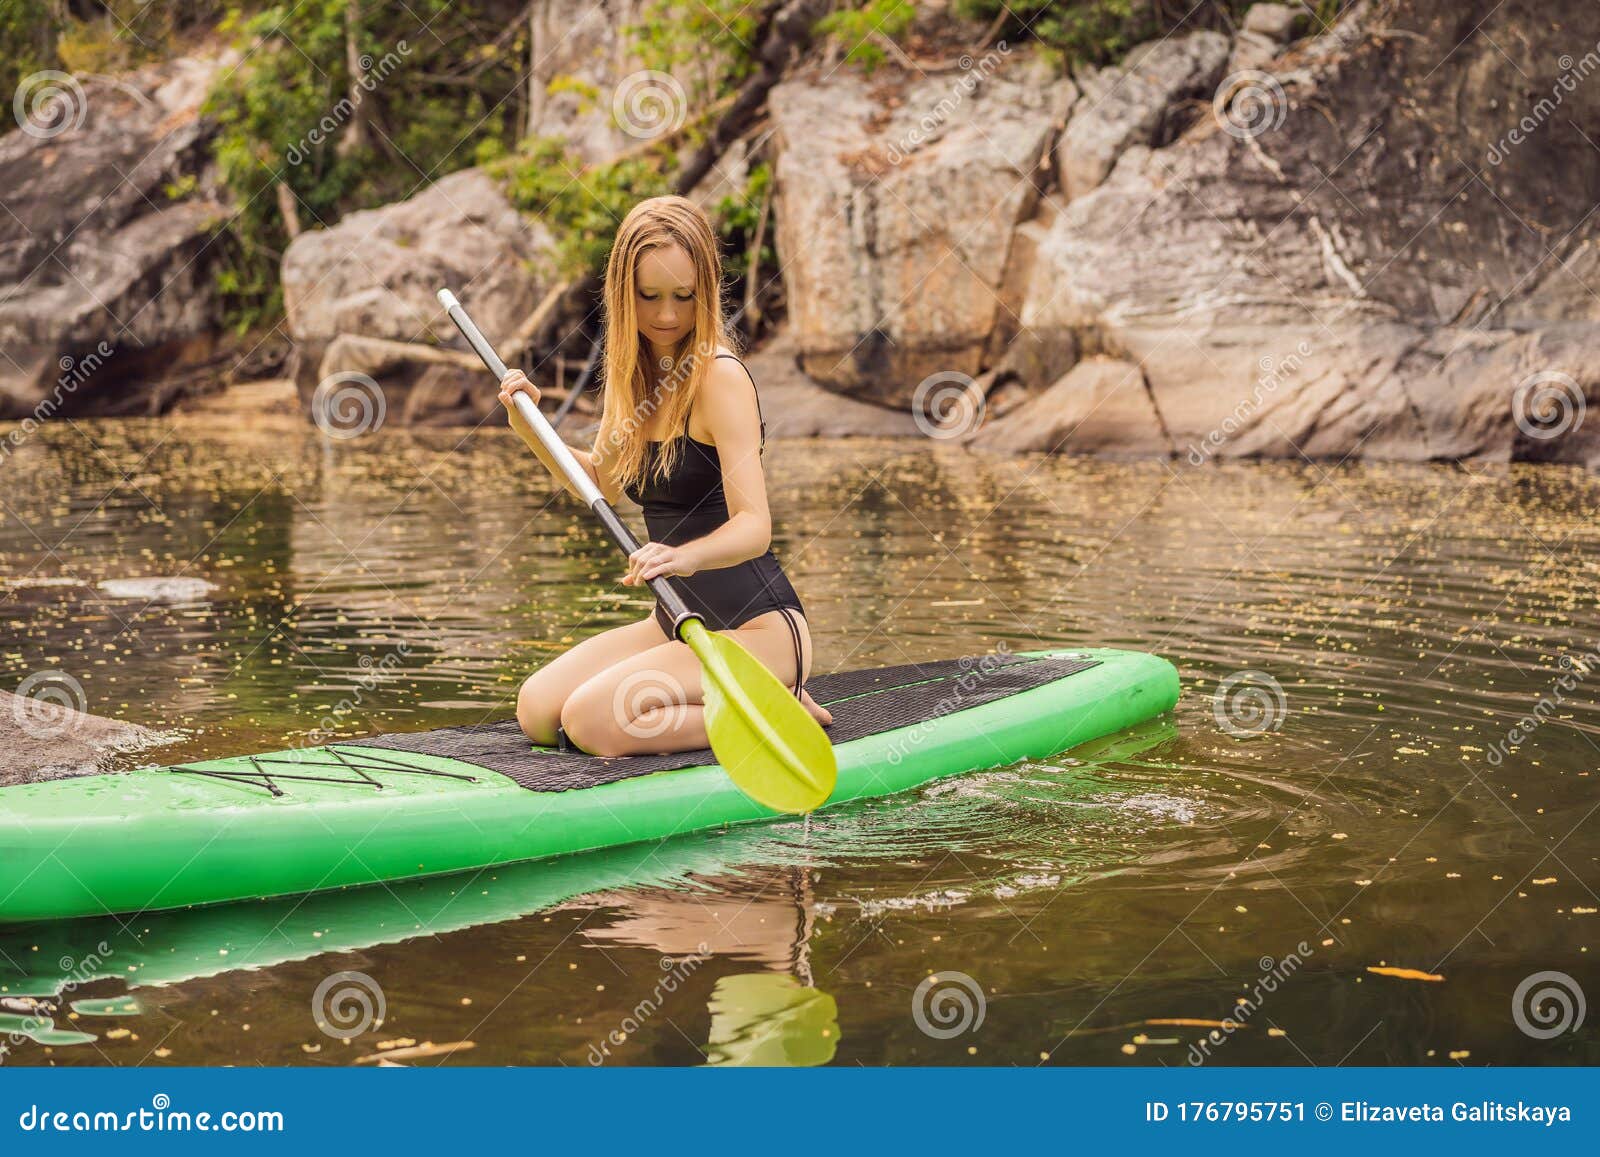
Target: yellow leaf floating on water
[{"x": 1403, "y": 973}]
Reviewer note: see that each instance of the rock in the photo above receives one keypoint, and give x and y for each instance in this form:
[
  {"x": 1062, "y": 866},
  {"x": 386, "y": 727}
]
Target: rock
[
  {"x": 251, "y": 401},
  {"x": 581, "y": 60},
  {"x": 1252, "y": 52},
  {"x": 1274, "y": 21},
  {"x": 42, "y": 737},
  {"x": 1133, "y": 104},
  {"x": 1101, "y": 406},
  {"x": 1285, "y": 293},
  {"x": 897, "y": 202},
  {"x": 105, "y": 262},
  {"x": 1037, "y": 356},
  {"x": 796, "y": 407},
  {"x": 374, "y": 274},
  {"x": 159, "y": 589}
]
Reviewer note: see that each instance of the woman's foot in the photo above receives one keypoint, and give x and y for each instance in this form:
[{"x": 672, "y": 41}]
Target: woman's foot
[{"x": 818, "y": 712}]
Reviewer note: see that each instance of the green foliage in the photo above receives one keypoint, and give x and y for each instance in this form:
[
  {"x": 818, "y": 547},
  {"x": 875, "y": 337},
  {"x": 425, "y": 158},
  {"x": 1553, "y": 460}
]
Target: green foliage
[
  {"x": 182, "y": 187},
  {"x": 1101, "y": 31},
  {"x": 859, "y": 29},
  {"x": 264, "y": 109},
  {"x": 27, "y": 43},
  {"x": 705, "y": 46},
  {"x": 737, "y": 218},
  {"x": 36, "y": 35},
  {"x": 285, "y": 116},
  {"x": 588, "y": 94},
  {"x": 581, "y": 206},
  {"x": 1079, "y": 31},
  {"x": 1325, "y": 13}
]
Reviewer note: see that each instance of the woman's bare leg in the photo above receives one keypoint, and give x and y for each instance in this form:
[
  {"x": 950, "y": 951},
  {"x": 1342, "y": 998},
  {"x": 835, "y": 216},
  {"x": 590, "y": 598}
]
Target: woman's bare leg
[
  {"x": 545, "y": 692},
  {"x": 654, "y": 702}
]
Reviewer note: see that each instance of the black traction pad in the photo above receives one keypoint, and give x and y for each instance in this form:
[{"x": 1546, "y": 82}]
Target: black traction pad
[{"x": 863, "y": 703}]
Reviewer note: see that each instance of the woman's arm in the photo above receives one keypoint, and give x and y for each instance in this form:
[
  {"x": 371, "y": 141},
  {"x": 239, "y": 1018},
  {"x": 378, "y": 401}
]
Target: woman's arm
[{"x": 589, "y": 460}]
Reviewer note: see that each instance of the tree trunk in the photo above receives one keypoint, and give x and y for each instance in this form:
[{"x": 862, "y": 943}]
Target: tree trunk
[
  {"x": 356, "y": 137},
  {"x": 538, "y": 17}
]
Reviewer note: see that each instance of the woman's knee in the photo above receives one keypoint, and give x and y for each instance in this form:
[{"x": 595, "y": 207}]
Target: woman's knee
[
  {"x": 538, "y": 710},
  {"x": 586, "y": 718}
]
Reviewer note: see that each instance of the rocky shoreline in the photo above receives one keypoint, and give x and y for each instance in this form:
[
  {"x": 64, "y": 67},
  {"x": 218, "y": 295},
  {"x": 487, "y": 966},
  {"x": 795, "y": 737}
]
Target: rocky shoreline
[{"x": 1369, "y": 241}]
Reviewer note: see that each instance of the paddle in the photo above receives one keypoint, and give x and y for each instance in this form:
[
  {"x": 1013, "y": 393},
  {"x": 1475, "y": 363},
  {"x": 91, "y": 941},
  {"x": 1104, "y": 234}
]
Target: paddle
[{"x": 765, "y": 739}]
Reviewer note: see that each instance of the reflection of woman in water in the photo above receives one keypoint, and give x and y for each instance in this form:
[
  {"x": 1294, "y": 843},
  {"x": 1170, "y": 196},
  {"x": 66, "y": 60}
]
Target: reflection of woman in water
[{"x": 761, "y": 916}]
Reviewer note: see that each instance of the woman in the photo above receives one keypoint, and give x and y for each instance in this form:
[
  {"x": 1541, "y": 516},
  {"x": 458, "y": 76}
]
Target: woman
[{"x": 681, "y": 434}]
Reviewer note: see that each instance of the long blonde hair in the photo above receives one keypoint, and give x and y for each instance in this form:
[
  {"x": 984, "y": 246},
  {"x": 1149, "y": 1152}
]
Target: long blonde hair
[{"x": 630, "y": 399}]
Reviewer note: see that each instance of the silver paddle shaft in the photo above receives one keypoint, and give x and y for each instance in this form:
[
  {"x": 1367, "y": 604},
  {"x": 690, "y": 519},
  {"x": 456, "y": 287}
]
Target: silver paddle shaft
[
  {"x": 558, "y": 450},
  {"x": 671, "y": 601}
]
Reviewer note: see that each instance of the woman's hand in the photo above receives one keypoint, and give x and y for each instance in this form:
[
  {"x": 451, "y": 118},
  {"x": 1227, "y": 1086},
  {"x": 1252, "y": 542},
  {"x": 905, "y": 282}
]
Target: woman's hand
[
  {"x": 514, "y": 381},
  {"x": 655, "y": 559}
]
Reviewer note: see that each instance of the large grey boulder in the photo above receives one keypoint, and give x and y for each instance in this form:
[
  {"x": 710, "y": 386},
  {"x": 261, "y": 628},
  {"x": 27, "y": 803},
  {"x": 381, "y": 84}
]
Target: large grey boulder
[
  {"x": 105, "y": 256},
  {"x": 898, "y": 198},
  {"x": 375, "y": 273}
]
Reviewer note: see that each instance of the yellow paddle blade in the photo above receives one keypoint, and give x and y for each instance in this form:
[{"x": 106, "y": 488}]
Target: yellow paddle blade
[{"x": 766, "y": 741}]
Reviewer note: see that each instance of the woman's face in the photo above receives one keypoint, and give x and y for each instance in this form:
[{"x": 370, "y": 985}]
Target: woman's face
[{"x": 664, "y": 295}]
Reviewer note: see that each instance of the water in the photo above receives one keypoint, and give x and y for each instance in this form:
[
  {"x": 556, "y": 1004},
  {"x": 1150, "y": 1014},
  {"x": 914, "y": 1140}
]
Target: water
[{"x": 1338, "y": 790}]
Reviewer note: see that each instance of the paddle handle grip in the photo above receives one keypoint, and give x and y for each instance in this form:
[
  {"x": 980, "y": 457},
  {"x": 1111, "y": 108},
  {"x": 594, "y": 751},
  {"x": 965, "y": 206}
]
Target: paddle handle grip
[{"x": 560, "y": 453}]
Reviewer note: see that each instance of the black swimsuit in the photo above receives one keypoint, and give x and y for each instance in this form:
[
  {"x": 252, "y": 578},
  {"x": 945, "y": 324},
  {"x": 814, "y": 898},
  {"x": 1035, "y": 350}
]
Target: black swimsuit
[{"x": 688, "y": 504}]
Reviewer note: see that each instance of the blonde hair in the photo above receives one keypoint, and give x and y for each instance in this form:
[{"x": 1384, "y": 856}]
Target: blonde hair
[{"x": 629, "y": 398}]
